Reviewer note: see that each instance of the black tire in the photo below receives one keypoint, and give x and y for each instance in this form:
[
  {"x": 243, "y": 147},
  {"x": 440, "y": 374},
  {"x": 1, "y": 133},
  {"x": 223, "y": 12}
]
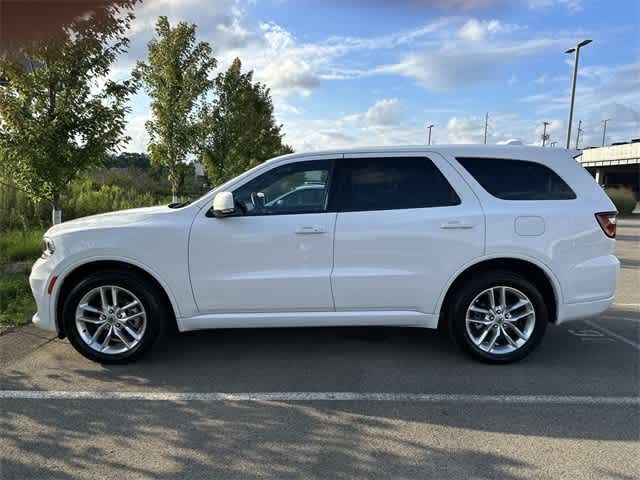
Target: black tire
[
  {"x": 156, "y": 313},
  {"x": 456, "y": 314}
]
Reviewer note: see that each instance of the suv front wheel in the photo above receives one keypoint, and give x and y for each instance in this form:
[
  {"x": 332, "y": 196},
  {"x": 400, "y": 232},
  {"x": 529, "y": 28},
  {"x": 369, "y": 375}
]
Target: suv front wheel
[
  {"x": 499, "y": 317},
  {"x": 113, "y": 316}
]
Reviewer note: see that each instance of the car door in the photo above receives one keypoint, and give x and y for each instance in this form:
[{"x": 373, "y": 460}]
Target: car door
[
  {"x": 270, "y": 256},
  {"x": 406, "y": 223}
]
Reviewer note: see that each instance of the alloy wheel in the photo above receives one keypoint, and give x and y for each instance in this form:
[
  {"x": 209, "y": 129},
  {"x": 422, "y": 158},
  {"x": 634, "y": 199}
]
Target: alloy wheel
[
  {"x": 111, "y": 319},
  {"x": 500, "y": 320}
]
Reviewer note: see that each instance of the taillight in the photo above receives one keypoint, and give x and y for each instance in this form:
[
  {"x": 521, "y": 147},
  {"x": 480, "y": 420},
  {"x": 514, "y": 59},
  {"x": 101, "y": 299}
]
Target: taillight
[{"x": 607, "y": 221}]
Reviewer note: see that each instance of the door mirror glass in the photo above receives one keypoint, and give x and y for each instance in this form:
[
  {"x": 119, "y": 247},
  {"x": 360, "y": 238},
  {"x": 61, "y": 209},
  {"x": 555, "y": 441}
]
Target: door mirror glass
[{"x": 223, "y": 204}]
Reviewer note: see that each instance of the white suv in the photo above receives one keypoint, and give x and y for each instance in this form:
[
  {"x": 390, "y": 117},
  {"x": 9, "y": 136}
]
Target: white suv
[{"x": 489, "y": 243}]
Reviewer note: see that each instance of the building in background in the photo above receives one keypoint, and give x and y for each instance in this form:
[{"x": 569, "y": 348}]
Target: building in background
[{"x": 616, "y": 165}]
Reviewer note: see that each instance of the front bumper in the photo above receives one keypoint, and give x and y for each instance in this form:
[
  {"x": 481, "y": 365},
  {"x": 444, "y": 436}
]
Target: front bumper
[{"x": 39, "y": 279}]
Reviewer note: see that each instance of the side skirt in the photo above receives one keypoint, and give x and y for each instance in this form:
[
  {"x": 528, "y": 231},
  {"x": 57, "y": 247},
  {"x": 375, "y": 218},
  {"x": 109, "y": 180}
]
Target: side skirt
[{"x": 309, "y": 319}]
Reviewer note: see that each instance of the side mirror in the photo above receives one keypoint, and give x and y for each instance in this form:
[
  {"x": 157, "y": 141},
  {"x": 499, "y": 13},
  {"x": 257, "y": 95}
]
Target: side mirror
[{"x": 223, "y": 204}]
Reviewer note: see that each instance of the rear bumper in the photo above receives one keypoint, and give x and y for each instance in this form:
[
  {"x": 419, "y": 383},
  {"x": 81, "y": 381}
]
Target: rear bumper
[
  {"x": 590, "y": 288},
  {"x": 575, "y": 311}
]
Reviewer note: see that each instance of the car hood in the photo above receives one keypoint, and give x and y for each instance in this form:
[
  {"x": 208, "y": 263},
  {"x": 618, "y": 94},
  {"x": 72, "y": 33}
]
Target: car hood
[{"x": 107, "y": 220}]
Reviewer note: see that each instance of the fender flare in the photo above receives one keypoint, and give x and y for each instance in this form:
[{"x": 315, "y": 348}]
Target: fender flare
[
  {"x": 70, "y": 268},
  {"x": 555, "y": 283}
]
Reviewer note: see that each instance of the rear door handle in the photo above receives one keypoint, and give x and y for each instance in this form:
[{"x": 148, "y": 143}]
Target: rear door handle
[
  {"x": 311, "y": 229},
  {"x": 456, "y": 224}
]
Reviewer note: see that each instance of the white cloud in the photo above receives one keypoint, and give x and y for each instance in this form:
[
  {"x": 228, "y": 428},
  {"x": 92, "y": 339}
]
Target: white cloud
[
  {"x": 546, "y": 79},
  {"x": 502, "y": 127},
  {"x": 476, "y": 30},
  {"x": 570, "y": 5},
  {"x": 289, "y": 67},
  {"x": 465, "y": 130},
  {"x": 602, "y": 92},
  {"x": 381, "y": 124},
  {"x": 445, "y": 54},
  {"x": 456, "y": 66},
  {"x": 384, "y": 112},
  {"x": 283, "y": 106},
  {"x": 466, "y": 5},
  {"x": 136, "y": 130}
]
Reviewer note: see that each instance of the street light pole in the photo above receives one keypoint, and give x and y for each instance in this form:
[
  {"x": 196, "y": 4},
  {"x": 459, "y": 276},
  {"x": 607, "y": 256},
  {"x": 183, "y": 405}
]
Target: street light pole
[
  {"x": 604, "y": 130},
  {"x": 429, "y": 127},
  {"x": 575, "y": 49},
  {"x": 486, "y": 123},
  {"x": 579, "y": 132},
  {"x": 544, "y": 132}
]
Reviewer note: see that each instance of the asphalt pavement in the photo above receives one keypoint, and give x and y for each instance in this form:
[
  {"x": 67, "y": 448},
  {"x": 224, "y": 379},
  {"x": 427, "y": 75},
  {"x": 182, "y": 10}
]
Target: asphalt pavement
[{"x": 334, "y": 403}]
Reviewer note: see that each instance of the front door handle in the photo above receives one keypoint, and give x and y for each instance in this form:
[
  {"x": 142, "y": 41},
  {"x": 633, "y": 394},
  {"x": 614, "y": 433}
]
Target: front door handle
[
  {"x": 307, "y": 230},
  {"x": 456, "y": 224}
]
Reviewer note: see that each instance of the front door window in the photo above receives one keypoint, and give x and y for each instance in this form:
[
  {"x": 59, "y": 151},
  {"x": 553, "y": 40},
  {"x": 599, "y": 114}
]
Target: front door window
[{"x": 290, "y": 189}]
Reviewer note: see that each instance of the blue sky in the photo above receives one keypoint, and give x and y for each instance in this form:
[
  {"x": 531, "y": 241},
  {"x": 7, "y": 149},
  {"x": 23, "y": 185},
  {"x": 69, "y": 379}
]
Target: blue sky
[{"x": 353, "y": 72}]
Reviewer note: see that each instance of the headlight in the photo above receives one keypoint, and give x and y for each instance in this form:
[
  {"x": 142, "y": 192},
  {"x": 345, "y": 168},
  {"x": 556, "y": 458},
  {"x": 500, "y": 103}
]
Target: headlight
[{"x": 47, "y": 247}]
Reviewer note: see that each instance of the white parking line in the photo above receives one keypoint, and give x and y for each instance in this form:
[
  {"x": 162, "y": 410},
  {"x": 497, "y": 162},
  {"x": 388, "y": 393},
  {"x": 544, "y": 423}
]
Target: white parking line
[
  {"x": 619, "y": 337},
  {"x": 318, "y": 396},
  {"x": 626, "y": 319}
]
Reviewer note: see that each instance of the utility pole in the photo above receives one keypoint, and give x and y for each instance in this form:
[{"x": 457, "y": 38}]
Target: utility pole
[
  {"x": 545, "y": 137},
  {"x": 429, "y": 140},
  {"x": 578, "y": 135},
  {"x": 486, "y": 123},
  {"x": 604, "y": 130},
  {"x": 575, "y": 49}
]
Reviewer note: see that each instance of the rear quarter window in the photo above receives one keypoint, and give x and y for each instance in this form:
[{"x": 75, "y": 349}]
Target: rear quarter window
[{"x": 517, "y": 179}]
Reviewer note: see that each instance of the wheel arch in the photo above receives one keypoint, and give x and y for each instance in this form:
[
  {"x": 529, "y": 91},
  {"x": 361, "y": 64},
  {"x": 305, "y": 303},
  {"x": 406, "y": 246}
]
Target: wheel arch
[
  {"x": 549, "y": 285},
  {"x": 70, "y": 278}
]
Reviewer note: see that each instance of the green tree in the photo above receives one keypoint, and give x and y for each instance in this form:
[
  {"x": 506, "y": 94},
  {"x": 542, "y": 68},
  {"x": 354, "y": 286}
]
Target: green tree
[
  {"x": 176, "y": 77},
  {"x": 59, "y": 112},
  {"x": 238, "y": 130}
]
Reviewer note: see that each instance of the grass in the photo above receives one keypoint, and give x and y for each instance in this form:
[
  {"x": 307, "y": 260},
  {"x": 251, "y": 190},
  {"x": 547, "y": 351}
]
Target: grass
[
  {"x": 16, "y": 302},
  {"x": 20, "y": 245},
  {"x": 18, "y": 250}
]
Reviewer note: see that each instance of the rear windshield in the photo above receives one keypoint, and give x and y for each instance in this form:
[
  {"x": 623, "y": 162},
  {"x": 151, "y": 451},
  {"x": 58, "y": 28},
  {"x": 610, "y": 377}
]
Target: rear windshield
[{"x": 517, "y": 179}]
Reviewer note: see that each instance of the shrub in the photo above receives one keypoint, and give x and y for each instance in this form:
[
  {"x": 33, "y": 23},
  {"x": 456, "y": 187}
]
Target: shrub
[
  {"x": 20, "y": 245},
  {"x": 623, "y": 199},
  {"x": 16, "y": 302},
  {"x": 87, "y": 198}
]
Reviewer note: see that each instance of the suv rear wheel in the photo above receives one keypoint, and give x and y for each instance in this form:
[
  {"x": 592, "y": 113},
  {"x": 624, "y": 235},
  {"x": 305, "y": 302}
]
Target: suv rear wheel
[
  {"x": 498, "y": 318},
  {"x": 113, "y": 316}
]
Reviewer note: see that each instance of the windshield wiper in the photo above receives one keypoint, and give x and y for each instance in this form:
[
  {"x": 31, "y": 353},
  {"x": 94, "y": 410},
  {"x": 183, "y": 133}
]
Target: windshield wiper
[{"x": 179, "y": 204}]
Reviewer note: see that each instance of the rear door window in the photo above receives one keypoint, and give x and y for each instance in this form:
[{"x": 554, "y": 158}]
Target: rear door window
[
  {"x": 390, "y": 183},
  {"x": 517, "y": 179}
]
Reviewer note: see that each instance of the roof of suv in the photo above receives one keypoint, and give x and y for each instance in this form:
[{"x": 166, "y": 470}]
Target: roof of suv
[{"x": 503, "y": 151}]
